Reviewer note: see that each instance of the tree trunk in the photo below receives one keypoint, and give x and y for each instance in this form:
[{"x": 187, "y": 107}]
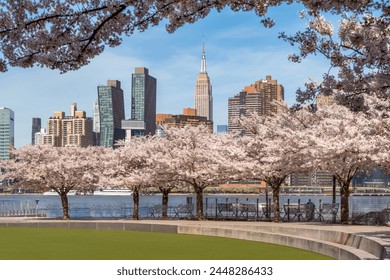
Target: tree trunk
[
  {"x": 136, "y": 203},
  {"x": 199, "y": 203},
  {"x": 275, "y": 197},
  {"x": 164, "y": 203},
  {"x": 65, "y": 206},
  {"x": 344, "y": 200}
]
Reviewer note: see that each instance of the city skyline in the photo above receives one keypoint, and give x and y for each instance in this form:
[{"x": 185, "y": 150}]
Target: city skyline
[{"x": 239, "y": 51}]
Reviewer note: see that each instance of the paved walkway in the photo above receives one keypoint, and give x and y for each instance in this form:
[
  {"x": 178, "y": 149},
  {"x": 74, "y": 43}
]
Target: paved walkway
[{"x": 366, "y": 242}]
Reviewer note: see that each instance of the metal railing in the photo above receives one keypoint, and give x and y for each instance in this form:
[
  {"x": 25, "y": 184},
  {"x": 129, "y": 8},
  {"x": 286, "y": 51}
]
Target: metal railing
[{"x": 215, "y": 208}]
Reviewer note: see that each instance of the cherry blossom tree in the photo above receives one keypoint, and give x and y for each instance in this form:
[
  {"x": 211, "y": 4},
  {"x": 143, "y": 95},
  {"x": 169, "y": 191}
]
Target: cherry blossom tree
[
  {"x": 128, "y": 167},
  {"x": 66, "y": 35},
  {"x": 273, "y": 147},
  {"x": 165, "y": 178},
  {"x": 45, "y": 167},
  {"x": 197, "y": 159},
  {"x": 346, "y": 143},
  {"x": 342, "y": 142}
]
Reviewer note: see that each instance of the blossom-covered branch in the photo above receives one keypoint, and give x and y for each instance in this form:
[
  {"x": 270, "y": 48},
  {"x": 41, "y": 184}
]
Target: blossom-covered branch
[
  {"x": 358, "y": 50},
  {"x": 66, "y": 35}
]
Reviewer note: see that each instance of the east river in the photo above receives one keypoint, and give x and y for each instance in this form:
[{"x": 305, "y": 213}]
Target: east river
[{"x": 114, "y": 207}]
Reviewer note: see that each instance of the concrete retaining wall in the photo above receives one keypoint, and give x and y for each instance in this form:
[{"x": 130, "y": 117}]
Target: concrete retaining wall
[
  {"x": 336, "y": 244},
  {"x": 116, "y": 225},
  {"x": 328, "y": 236},
  {"x": 334, "y": 250}
]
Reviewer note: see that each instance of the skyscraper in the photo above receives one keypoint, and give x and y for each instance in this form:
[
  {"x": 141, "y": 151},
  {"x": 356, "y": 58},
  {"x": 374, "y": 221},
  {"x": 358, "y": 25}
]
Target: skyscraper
[
  {"x": 96, "y": 124},
  {"x": 143, "y": 101},
  {"x": 203, "y": 91},
  {"x": 96, "y": 117},
  {"x": 256, "y": 98},
  {"x": 36, "y": 127},
  {"x": 7, "y": 140},
  {"x": 111, "y": 112},
  {"x": 73, "y": 130}
]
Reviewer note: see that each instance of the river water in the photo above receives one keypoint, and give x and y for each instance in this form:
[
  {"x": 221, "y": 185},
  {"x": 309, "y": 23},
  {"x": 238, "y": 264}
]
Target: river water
[{"x": 114, "y": 207}]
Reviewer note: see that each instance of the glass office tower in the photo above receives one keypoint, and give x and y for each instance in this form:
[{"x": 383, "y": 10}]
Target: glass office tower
[
  {"x": 36, "y": 127},
  {"x": 111, "y": 113}
]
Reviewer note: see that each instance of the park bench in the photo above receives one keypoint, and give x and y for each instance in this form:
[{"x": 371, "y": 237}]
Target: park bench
[
  {"x": 327, "y": 210},
  {"x": 186, "y": 210},
  {"x": 294, "y": 210},
  {"x": 247, "y": 210},
  {"x": 155, "y": 211},
  {"x": 299, "y": 211},
  {"x": 226, "y": 209}
]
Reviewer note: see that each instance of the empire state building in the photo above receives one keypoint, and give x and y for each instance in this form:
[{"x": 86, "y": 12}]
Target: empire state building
[{"x": 203, "y": 92}]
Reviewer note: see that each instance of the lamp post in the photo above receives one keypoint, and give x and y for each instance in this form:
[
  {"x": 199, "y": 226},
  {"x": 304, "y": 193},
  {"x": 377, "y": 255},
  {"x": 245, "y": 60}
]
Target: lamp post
[
  {"x": 266, "y": 203},
  {"x": 36, "y": 207},
  {"x": 334, "y": 199}
]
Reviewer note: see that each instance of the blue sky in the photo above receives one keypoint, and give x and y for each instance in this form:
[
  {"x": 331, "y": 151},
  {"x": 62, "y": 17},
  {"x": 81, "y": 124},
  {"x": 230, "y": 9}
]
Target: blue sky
[{"x": 239, "y": 51}]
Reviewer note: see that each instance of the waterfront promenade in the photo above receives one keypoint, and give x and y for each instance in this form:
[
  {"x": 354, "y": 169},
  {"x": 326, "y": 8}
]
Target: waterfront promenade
[{"x": 338, "y": 241}]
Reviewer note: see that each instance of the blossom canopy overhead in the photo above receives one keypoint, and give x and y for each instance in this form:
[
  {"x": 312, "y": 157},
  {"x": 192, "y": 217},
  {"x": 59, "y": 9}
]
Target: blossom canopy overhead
[{"x": 66, "y": 35}]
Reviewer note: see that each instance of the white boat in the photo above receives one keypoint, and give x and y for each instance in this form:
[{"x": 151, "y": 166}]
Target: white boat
[{"x": 113, "y": 192}]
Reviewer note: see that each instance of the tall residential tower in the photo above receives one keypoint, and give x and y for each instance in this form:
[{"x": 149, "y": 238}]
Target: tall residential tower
[
  {"x": 143, "y": 104},
  {"x": 73, "y": 130},
  {"x": 7, "y": 140},
  {"x": 203, "y": 92},
  {"x": 256, "y": 98}
]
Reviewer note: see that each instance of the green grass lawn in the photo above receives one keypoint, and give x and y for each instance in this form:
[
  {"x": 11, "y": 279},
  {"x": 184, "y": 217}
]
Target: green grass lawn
[{"x": 80, "y": 244}]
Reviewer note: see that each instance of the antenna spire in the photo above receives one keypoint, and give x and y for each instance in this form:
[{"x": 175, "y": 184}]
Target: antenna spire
[{"x": 203, "y": 63}]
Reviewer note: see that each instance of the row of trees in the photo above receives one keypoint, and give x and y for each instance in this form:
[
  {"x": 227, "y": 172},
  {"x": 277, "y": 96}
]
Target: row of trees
[{"x": 333, "y": 139}]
